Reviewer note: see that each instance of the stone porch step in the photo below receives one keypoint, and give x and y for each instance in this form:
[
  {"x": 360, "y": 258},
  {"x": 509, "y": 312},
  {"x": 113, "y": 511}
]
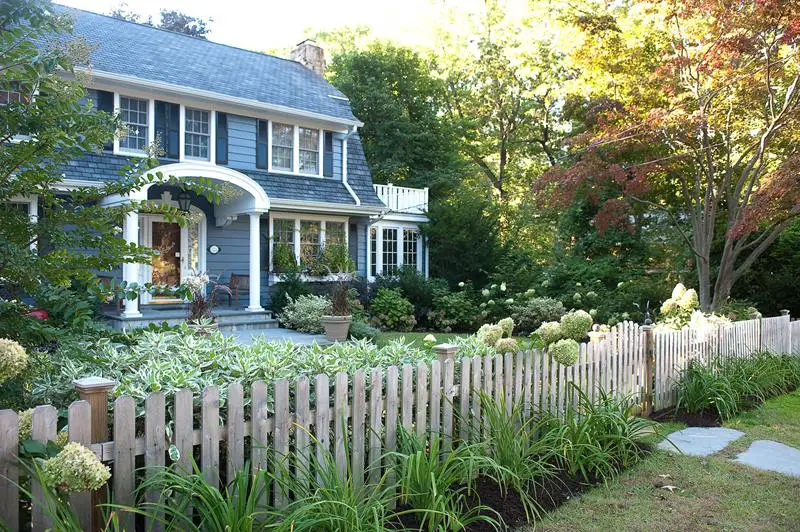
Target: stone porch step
[{"x": 228, "y": 319}]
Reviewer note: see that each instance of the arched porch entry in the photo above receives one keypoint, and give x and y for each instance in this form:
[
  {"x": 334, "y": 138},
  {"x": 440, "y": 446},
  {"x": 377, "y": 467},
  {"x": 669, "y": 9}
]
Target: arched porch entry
[{"x": 241, "y": 196}]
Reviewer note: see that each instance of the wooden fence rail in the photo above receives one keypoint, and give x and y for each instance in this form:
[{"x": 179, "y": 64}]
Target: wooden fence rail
[{"x": 357, "y": 419}]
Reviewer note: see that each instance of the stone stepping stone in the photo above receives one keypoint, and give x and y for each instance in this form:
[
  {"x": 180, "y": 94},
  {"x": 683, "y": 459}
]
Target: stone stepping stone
[
  {"x": 699, "y": 441},
  {"x": 772, "y": 456}
]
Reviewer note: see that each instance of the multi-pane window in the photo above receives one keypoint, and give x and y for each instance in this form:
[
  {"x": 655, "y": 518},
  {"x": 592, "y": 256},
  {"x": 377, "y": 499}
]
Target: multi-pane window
[
  {"x": 373, "y": 251},
  {"x": 282, "y": 146},
  {"x": 133, "y": 112},
  {"x": 283, "y": 244},
  {"x": 310, "y": 241},
  {"x": 389, "y": 250},
  {"x": 410, "y": 247},
  {"x": 197, "y": 134},
  {"x": 309, "y": 150},
  {"x": 10, "y": 93},
  {"x": 334, "y": 233}
]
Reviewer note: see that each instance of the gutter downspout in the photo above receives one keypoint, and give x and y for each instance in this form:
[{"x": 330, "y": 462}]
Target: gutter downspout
[{"x": 344, "y": 166}]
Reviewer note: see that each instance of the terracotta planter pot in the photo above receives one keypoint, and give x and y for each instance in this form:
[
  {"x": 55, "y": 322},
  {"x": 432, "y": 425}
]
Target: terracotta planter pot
[{"x": 336, "y": 327}]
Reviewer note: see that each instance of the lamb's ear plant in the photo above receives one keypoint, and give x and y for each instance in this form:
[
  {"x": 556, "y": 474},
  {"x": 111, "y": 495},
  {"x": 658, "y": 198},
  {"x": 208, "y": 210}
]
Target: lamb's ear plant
[{"x": 436, "y": 485}]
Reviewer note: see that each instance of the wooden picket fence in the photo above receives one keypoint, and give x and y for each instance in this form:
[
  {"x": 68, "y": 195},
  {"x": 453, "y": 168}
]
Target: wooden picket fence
[{"x": 357, "y": 417}]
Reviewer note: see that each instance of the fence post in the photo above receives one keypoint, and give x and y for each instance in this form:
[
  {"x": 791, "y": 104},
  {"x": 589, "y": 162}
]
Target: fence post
[
  {"x": 649, "y": 365},
  {"x": 445, "y": 351},
  {"x": 95, "y": 390}
]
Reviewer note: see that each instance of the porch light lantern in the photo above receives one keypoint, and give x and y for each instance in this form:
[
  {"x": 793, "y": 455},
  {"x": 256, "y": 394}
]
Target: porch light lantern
[{"x": 184, "y": 201}]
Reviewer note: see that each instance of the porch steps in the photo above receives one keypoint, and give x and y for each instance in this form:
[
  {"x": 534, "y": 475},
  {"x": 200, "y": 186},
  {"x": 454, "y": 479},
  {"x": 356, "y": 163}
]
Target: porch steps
[{"x": 228, "y": 319}]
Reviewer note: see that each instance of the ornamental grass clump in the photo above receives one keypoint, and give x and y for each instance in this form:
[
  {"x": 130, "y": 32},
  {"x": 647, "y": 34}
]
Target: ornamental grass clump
[
  {"x": 576, "y": 324},
  {"x": 13, "y": 359},
  {"x": 565, "y": 351},
  {"x": 75, "y": 469}
]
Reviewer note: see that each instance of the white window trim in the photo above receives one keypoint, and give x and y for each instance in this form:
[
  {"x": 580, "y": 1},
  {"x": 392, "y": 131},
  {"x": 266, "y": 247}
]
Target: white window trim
[
  {"x": 297, "y": 217},
  {"x": 212, "y": 111},
  {"x": 400, "y": 243},
  {"x": 32, "y": 201}
]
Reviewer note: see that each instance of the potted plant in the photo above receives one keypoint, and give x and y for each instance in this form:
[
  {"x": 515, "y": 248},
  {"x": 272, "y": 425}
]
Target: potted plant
[
  {"x": 340, "y": 267},
  {"x": 200, "y": 317}
]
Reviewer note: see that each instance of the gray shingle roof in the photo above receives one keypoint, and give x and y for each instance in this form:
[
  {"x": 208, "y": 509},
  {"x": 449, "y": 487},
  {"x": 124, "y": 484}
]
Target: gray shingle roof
[
  {"x": 108, "y": 167},
  {"x": 153, "y": 54}
]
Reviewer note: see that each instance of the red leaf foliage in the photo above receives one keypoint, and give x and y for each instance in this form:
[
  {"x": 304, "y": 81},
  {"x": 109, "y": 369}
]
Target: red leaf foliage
[{"x": 777, "y": 200}]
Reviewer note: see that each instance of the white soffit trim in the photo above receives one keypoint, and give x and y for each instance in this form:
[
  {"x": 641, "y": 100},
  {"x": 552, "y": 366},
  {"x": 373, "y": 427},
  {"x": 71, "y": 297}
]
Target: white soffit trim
[
  {"x": 213, "y": 96},
  {"x": 324, "y": 207}
]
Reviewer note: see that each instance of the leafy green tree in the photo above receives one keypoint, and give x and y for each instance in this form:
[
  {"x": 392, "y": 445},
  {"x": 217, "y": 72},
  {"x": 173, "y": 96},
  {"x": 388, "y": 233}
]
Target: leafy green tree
[
  {"x": 171, "y": 19},
  {"x": 394, "y": 92},
  {"x": 44, "y": 124}
]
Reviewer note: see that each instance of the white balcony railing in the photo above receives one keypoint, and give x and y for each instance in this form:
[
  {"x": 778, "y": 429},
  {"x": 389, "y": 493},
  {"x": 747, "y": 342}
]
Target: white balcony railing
[{"x": 403, "y": 199}]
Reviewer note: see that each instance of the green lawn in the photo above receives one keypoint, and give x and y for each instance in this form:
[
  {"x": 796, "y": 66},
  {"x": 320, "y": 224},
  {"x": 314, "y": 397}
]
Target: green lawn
[
  {"x": 710, "y": 493},
  {"x": 415, "y": 337}
]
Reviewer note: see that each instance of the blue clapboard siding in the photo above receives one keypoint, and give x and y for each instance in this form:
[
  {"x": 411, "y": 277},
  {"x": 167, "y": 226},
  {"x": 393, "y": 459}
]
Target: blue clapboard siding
[
  {"x": 241, "y": 142},
  {"x": 234, "y": 243},
  {"x": 363, "y": 239},
  {"x": 337, "y": 158}
]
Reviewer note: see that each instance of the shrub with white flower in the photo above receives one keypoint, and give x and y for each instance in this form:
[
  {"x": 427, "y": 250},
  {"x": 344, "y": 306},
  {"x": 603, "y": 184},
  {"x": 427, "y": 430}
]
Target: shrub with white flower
[
  {"x": 678, "y": 291},
  {"x": 429, "y": 341},
  {"x": 591, "y": 294},
  {"x": 75, "y": 469},
  {"x": 506, "y": 345},
  {"x": 689, "y": 300},
  {"x": 502, "y": 287},
  {"x": 485, "y": 292},
  {"x": 576, "y": 324},
  {"x": 507, "y": 324},
  {"x": 549, "y": 332},
  {"x": 509, "y": 301},
  {"x": 676, "y": 312},
  {"x": 13, "y": 359},
  {"x": 576, "y": 297},
  {"x": 565, "y": 351},
  {"x": 461, "y": 284},
  {"x": 529, "y": 292},
  {"x": 490, "y": 334},
  {"x": 196, "y": 283}
]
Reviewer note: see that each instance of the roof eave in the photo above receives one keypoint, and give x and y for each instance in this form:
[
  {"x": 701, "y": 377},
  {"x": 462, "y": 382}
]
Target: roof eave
[
  {"x": 214, "y": 96},
  {"x": 320, "y": 206}
]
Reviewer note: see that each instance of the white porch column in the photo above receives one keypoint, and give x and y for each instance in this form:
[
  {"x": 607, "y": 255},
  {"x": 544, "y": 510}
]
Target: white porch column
[
  {"x": 255, "y": 262},
  {"x": 130, "y": 270}
]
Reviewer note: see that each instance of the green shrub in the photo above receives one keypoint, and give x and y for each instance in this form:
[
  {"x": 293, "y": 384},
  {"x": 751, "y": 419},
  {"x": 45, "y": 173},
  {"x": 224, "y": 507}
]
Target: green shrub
[
  {"x": 453, "y": 311},
  {"x": 361, "y": 331},
  {"x": 530, "y": 314},
  {"x": 283, "y": 259},
  {"x": 291, "y": 287},
  {"x": 421, "y": 291},
  {"x": 392, "y": 311},
  {"x": 576, "y": 325},
  {"x": 305, "y": 313}
]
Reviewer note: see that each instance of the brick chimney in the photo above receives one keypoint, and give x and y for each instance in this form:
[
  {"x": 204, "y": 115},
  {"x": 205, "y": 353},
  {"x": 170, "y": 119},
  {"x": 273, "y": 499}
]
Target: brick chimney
[{"x": 310, "y": 55}]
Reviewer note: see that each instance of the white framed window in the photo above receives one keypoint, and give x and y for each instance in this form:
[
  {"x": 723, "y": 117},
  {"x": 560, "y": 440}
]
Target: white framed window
[
  {"x": 197, "y": 134},
  {"x": 309, "y": 150},
  {"x": 282, "y": 147},
  {"x": 306, "y": 233},
  {"x": 134, "y": 113},
  {"x": 390, "y": 247},
  {"x": 9, "y": 95}
]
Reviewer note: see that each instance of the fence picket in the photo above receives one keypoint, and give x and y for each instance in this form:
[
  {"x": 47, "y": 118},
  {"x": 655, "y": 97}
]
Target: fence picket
[
  {"x": 154, "y": 449},
  {"x": 302, "y": 429},
  {"x": 465, "y": 390},
  {"x": 124, "y": 456},
  {"x": 407, "y": 401},
  {"x": 391, "y": 424},
  {"x": 80, "y": 430},
  {"x": 209, "y": 435},
  {"x": 340, "y": 423},
  {"x": 447, "y": 405},
  {"x": 280, "y": 438},
  {"x": 422, "y": 399},
  {"x": 322, "y": 424},
  {"x": 436, "y": 398},
  {"x": 477, "y": 375},
  {"x": 235, "y": 430},
  {"x": 359, "y": 427},
  {"x": 43, "y": 429},
  {"x": 508, "y": 382},
  {"x": 527, "y": 387},
  {"x": 184, "y": 429},
  {"x": 375, "y": 425},
  {"x": 259, "y": 440},
  {"x": 9, "y": 470}
]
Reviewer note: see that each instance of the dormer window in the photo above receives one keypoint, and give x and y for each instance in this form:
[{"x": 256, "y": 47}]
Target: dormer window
[
  {"x": 282, "y": 147},
  {"x": 197, "y": 134},
  {"x": 309, "y": 151},
  {"x": 133, "y": 113}
]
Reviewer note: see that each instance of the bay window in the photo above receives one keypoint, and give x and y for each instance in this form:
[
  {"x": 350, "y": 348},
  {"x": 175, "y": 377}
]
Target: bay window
[
  {"x": 334, "y": 233},
  {"x": 310, "y": 241},
  {"x": 282, "y": 147},
  {"x": 303, "y": 237},
  {"x": 391, "y": 248},
  {"x": 198, "y": 134},
  {"x": 133, "y": 113}
]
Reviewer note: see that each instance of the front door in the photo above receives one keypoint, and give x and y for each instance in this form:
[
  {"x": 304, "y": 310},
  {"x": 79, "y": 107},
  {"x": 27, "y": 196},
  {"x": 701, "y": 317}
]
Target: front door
[{"x": 167, "y": 259}]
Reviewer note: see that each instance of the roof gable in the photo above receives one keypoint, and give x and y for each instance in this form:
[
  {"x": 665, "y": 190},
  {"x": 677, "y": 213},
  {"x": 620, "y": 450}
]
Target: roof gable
[{"x": 156, "y": 55}]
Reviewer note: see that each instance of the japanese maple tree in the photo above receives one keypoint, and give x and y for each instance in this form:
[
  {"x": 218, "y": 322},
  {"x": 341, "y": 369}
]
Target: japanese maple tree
[{"x": 711, "y": 140}]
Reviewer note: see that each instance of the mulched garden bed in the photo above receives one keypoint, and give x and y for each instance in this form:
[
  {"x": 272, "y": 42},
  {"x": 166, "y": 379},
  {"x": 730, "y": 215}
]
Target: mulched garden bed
[{"x": 705, "y": 419}]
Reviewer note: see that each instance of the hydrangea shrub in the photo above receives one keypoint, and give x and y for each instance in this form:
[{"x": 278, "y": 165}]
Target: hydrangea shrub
[
  {"x": 13, "y": 359},
  {"x": 576, "y": 324},
  {"x": 506, "y": 345},
  {"x": 549, "y": 332},
  {"x": 75, "y": 469},
  {"x": 490, "y": 334},
  {"x": 565, "y": 351},
  {"x": 507, "y": 324},
  {"x": 392, "y": 311}
]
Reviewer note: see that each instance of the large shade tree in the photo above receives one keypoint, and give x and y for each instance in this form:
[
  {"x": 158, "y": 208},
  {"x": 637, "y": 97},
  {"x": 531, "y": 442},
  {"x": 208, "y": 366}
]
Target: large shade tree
[{"x": 711, "y": 143}]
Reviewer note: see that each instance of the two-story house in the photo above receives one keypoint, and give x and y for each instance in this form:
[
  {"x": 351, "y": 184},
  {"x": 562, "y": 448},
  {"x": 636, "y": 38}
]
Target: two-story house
[{"x": 281, "y": 142}]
